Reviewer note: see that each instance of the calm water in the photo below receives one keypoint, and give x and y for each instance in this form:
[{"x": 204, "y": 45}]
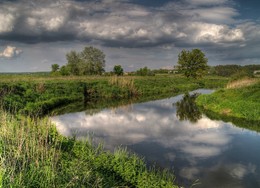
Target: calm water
[{"x": 219, "y": 154}]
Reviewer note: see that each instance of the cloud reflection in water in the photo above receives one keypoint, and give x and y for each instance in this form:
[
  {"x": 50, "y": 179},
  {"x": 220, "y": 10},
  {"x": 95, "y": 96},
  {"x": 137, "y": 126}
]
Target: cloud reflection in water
[
  {"x": 156, "y": 124},
  {"x": 149, "y": 122}
]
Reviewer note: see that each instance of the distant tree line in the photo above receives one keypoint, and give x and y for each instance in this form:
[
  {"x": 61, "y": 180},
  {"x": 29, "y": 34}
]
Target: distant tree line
[
  {"x": 144, "y": 72},
  {"x": 193, "y": 64},
  {"x": 229, "y": 70}
]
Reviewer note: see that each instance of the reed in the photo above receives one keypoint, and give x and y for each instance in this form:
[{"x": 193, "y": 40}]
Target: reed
[
  {"x": 242, "y": 83},
  {"x": 124, "y": 83}
]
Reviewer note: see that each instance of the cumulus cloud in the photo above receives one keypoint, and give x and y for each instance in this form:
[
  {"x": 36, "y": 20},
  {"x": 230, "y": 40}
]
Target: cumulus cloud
[
  {"x": 6, "y": 22},
  {"x": 119, "y": 23},
  {"x": 10, "y": 52},
  {"x": 208, "y": 24}
]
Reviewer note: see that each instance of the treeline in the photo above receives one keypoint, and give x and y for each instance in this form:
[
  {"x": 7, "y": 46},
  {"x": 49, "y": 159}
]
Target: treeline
[
  {"x": 91, "y": 61},
  {"x": 231, "y": 70}
]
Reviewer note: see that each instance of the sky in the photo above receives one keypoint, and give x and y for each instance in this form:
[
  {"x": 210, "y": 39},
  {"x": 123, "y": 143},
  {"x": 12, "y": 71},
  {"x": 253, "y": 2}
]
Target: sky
[{"x": 34, "y": 34}]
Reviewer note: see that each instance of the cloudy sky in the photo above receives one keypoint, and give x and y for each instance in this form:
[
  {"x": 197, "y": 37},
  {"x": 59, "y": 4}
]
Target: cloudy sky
[{"x": 134, "y": 33}]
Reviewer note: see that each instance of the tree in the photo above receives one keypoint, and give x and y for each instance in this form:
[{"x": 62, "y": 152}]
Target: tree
[
  {"x": 145, "y": 72},
  {"x": 193, "y": 63},
  {"x": 227, "y": 70},
  {"x": 118, "y": 70},
  {"x": 54, "y": 67},
  {"x": 90, "y": 61},
  {"x": 64, "y": 71},
  {"x": 187, "y": 108},
  {"x": 73, "y": 62}
]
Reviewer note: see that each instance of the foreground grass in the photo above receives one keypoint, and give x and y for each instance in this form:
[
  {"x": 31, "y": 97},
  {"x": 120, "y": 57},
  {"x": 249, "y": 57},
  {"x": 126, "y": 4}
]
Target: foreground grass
[
  {"x": 238, "y": 103},
  {"x": 33, "y": 154}
]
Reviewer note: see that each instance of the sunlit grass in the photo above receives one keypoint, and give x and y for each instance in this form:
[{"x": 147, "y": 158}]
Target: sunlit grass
[
  {"x": 33, "y": 154},
  {"x": 242, "y": 83},
  {"x": 238, "y": 101}
]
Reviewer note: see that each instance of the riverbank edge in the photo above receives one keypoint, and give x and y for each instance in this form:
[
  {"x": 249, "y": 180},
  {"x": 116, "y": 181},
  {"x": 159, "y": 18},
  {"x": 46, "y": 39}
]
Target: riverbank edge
[
  {"x": 39, "y": 97},
  {"x": 22, "y": 169},
  {"x": 237, "y": 105},
  {"x": 34, "y": 154}
]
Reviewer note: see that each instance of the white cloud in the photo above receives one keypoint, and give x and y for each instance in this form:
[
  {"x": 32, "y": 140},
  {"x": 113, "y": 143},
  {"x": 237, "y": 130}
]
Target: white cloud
[
  {"x": 141, "y": 125},
  {"x": 211, "y": 25},
  {"x": 204, "y": 32},
  {"x": 6, "y": 22},
  {"x": 10, "y": 51},
  {"x": 213, "y": 14},
  {"x": 124, "y": 24},
  {"x": 189, "y": 172}
]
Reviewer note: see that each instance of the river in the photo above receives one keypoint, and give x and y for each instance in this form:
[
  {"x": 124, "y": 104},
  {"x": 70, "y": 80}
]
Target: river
[{"x": 174, "y": 135}]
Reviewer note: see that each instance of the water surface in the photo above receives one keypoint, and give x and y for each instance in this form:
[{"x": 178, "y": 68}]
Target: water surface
[{"x": 219, "y": 154}]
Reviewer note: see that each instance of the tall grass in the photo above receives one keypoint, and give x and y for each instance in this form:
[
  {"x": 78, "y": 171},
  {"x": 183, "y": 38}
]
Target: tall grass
[
  {"x": 30, "y": 156},
  {"x": 241, "y": 83},
  {"x": 124, "y": 83},
  {"x": 33, "y": 154}
]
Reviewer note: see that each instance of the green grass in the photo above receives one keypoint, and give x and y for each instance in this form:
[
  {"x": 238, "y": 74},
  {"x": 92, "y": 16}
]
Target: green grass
[
  {"x": 39, "y": 95},
  {"x": 237, "y": 104},
  {"x": 33, "y": 154}
]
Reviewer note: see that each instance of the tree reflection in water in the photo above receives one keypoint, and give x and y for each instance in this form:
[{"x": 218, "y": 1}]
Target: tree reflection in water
[{"x": 187, "y": 108}]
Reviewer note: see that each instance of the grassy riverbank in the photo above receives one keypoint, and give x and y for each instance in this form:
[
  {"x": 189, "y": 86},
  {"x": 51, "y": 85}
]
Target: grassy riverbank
[
  {"x": 238, "y": 103},
  {"x": 33, "y": 154},
  {"x": 38, "y": 95}
]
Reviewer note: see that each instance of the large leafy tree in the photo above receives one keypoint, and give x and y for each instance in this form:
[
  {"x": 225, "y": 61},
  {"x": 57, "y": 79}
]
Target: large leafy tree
[
  {"x": 193, "y": 63},
  {"x": 90, "y": 61},
  {"x": 74, "y": 63}
]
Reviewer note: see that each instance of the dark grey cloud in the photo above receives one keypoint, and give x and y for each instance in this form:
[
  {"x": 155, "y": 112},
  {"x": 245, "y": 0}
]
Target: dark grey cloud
[
  {"x": 147, "y": 33},
  {"x": 118, "y": 23}
]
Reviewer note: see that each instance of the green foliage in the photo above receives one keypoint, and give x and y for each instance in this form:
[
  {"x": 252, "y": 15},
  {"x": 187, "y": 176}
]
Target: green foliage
[
  {"x": 74, "y": 62},
  {"x": 187, "y": 108},
  {"x": 241, "y": 75},
  {"x": 91, "y": 61},
  {"x": 243, "y": 103},
  {"x": 35, "y": 155},
  {"x": 144, "y": 72},
  {"x": 234, "y": 70},
  {"x": 54, "y": 67},
  {"x": 64, "y": 71},
  {"x": 118, "y": 70},
  {"x": 227, "y": 70},
  {"x": 43, "y": 95},
  {"x": 193, "y": 63},
  {"x": 39, "y": 98}
]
